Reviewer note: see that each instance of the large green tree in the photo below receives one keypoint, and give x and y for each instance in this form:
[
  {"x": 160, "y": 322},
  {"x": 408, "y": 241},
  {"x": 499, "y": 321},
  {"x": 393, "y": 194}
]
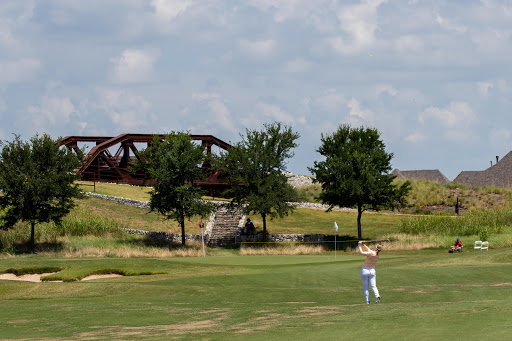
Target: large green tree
[
  {"x": 37, "y": 181},
  {"x": 355, "y": 172},
  {"x": 174, "y": 163},
  {"x": 254, "y": 169}
]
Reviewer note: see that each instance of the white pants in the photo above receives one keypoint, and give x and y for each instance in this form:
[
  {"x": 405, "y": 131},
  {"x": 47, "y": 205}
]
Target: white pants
[{"x": 369, "y": 280}]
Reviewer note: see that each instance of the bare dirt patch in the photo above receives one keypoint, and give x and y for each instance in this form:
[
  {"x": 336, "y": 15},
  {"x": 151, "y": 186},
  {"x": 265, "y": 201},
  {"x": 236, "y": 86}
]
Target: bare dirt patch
[{"x": 116, "y": 332}]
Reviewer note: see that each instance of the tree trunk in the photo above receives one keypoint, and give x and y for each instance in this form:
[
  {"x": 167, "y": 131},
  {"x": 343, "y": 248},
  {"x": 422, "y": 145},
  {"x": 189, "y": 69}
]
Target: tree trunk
[
  {"x": 182, "y": 223},
  {"x": 264, "y": 217},
  {"x": 359, "y": 213},
  {"x": 32, "y": 236}
]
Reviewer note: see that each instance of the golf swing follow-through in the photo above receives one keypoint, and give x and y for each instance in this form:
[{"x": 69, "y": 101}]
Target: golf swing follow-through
[{"x": 368, "y": 274}]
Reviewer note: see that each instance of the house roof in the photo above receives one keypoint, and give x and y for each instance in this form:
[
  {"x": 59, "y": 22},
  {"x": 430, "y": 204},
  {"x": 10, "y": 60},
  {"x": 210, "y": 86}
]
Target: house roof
[
  {"x": 428, "y": 174},
  {"x": 499, "y": 174}
]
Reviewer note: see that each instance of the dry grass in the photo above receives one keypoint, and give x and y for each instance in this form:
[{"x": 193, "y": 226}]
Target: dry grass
[
  {"x": 405, "y": 242},
  {"x": 91, "y": 246},
  {"x": 282, "y": 250},
  {"x": 128, "y": 252}
]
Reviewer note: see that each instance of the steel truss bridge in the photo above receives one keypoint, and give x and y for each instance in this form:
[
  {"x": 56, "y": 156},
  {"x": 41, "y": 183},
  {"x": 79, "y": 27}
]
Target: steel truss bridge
[{"x": 100, "y": 164}]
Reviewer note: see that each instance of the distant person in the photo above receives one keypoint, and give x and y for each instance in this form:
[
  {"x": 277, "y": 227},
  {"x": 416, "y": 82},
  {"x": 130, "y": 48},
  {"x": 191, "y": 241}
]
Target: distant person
[
  {"x": 368, "y": 274},
  {"x": 457, "y": 246},
  {"x": 249, "y": 227}
]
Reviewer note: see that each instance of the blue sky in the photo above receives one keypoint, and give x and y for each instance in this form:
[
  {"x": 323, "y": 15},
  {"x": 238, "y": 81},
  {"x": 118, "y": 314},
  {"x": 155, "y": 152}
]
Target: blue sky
[{"x": 434, "y": 77}]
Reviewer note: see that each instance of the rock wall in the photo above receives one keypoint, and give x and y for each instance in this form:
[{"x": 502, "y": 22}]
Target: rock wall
[
  {"x": 124, "y": 201},
  {"x": 298, "y": 180},
  {"x": 283, "y": 238},
  {"x": 168, "y": 237},
  {"x": 145, "y": 204}
]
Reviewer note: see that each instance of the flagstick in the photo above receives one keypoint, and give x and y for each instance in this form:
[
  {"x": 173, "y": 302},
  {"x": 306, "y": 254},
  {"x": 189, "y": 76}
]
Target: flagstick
[
  {"x": 335, "y": 229},
  {"x": 202, "y": 239},
  {"x": 201, "y": 226}
]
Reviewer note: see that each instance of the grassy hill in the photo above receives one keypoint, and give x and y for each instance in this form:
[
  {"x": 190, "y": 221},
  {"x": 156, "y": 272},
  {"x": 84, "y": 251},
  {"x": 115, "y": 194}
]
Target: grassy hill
[{"x": 429, "y": 221}]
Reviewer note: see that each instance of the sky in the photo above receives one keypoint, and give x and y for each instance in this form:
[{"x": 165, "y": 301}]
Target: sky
[{"x": 434, "y": 77}]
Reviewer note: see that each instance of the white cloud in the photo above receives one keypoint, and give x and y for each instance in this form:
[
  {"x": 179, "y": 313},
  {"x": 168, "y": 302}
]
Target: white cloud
[
  {"x": 217, "y": 113},
  {"x": 127, "y": 112},
  {"x": 358, "y": 115},
  {"x": 385, "y": 88},
  {"x": 51, "y": 113},
  {"x": 259, "y": 49},
  {"x": 168, "y": 12},
  {"x": 415, "y": 138},
  {"x": 504, "y": 86},
  {"x": 455, "y": 115},
  {"x": 456, "y": 119},
  {"x": 135, "y": 66},
  {"x": 18, "y": 71},
  {"x": 332, "y": 101},
  {"x": 359, "y": 23},
  {"x": 170, "y": 9},
  {"x": 449, "y": 25},
  {"x": 275, "y": 112},
  {"x": 14, "y": 15},
  {"x": 483, "y": 88}
]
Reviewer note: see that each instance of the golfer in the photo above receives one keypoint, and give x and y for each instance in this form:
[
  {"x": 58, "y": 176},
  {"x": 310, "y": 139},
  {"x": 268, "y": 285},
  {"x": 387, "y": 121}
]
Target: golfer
[{"x": 368, "y": 270}]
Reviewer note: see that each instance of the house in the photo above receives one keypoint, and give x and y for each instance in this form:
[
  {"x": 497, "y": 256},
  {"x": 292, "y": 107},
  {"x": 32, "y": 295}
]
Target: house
[
  {"x": 430, "y": 175},
  {"x": 498, "y": 175}
]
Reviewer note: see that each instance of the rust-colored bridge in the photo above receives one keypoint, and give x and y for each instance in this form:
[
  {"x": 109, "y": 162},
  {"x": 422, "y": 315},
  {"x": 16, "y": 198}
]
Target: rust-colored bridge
[{"x": 103, "y": 166}]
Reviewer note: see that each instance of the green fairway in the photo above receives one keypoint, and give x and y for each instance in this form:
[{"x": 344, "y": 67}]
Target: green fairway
[{"x": 426, "y": 295}]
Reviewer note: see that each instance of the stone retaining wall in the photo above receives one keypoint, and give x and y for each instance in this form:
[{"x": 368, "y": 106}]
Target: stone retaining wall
[
  {"x": 168, "y": 237},
  {"x": 283, "y": 238},
  {"x": 124, "y": 201},
  {"x": 145, "y": 204},
  {"x": 321, "y": 206}
]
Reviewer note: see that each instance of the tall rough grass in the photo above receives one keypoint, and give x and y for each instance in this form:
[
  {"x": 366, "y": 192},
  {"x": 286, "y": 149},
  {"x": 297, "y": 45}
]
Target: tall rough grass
[
  {"x": 128, "y": 247},
  {"x": 292, "y": 249},
  {"x": 79, "y": 222},
  {"x": 428, "y": 193},
  {"x": 309, "y": 193},
  {"x": 482, "y": 223}
]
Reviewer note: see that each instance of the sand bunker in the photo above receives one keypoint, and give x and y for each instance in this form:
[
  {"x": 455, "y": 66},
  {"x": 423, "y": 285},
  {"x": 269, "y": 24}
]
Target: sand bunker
[
  {"x": 88, "y": 278},
  {"x": 36, "y": 278},
  {"x": 27, "y": 278}
]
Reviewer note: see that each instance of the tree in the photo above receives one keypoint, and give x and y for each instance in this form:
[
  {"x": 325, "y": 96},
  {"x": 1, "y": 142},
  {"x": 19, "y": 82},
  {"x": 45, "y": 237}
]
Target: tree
[
  {"x": 174, "y": 163},
  {"x": 355, "y": 172},
  {"x": 254, "y": 170},
  {"x": 37, "y": 181}
]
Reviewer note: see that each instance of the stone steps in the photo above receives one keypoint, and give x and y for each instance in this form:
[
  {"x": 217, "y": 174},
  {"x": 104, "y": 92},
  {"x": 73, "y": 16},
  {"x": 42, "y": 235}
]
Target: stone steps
[{"x": 225, "y": 227}]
